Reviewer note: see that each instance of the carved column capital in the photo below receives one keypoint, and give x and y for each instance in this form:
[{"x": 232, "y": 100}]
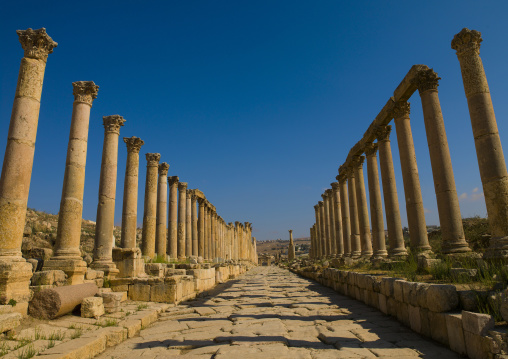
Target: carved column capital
[
  {"x": 173, "y": 180},
  {"x": 426, "y": 80},
  {"x": 335, "y": 186},
  {"x": 324, "y": 195},
  {"x": 321, "y": 204},
  {"x": 36, "y": 43},
  {"x": 401, "y": 109},
  {"x": 316, "y": 207},
  {"x": 163, "y": 169},
  {"x": 343, "y": 173},
  {"x": 85, "y": 91},
  {"x": 113, "y": 123},
  {"x": 182, "y": 186},
  {"x": 201, "y": 201},
  {"x": 383, "y": 133},
  {"x": 133, "y": 144},
  {"x": 357, "y": 162},
  {"x": 290, "y": 231},
  {"x": 467, "y": 41},
  {"x": 152, "y": 159},
  {"x": 328, "y": 192},
  {"x": 370, "y": 149}
]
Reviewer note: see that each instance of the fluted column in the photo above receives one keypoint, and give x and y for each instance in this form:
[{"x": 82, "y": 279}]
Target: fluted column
[
  {"x": 102, "y": 254},
  {"x": 201, "y": 226},
  {"x": 412, "y": 191},
  {"x": 67, "y": 255},
  {"x": 172, "y": 249},
  {"x": 162, "y": 202},
  {"x": 317, "y": 241},
  {"x": 353, "y": 214},
  {"x": 344, "y": 209},
  {"x": 182, "y": 214},
  {"x": 376, "y": 205},
  {"x": 150, "y": 209},
  {"x": 130, "y": 192},
  {"x": 489, "y": 151},
  {"x": 188, "y": 225},
  {"x": 395, "y": 236},
  {"x": 194, "y": 220},
  {"x": 339, "y": 242}
]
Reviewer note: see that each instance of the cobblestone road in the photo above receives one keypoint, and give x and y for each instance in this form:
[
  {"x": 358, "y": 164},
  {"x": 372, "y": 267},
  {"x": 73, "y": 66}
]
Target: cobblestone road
[{"x": 271, "y": 313}]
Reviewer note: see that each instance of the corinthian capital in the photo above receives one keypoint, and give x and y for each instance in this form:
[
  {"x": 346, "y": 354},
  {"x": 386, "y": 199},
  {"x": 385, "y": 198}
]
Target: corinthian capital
[
  {"x": 36, "y": 43},
  {"x": 316, "y": 207},
  {"x": 401, "y": 109},
  {"x": 335, "y": 186},
  {"x": 85, "y": 91},
  {"x": 357, "y": 162},
  {"x": 133, "y": 144},
  {"x": 370, "y": 149},
  {"x": 321, "y": 204},
  {"x": 467, "y": 41},
  {"x": 152, "y": 159},
  {"x": 182, "y": 186},
  {"x": 163, "y": 169},
  {"x": 113, "y": 123},
  {"x": 426, "y": 80},
  {"x": 382, "y": 133},
  {"x": 172, "y": 180}
]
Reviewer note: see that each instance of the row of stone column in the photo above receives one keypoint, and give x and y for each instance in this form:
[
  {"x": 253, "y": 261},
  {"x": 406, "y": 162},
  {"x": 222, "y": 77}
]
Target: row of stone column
[{"x": 342, "y": 225}]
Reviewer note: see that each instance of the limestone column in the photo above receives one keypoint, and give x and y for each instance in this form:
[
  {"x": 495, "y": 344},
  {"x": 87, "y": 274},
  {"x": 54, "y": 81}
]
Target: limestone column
[
  {"x": 102, "y": 254},
  {"x": 395, "y": 237},
  {"x": 201, "y": 226},
  {"x": 150, "y": 209},
  {"x": 376, "y": 205},
  {"x": 363, "y": 212},
  {"x": 194, "y": 220},
  {"x": 188, "y": 225},
  {"x": 15, "y": 273},
  {"x": 353, "y": 213},
  {"x": 209, "y": 233},
  {"x": 489, "y": 151},
  {"x": 67, "y": 255},
  {"x": 291, "y": 248},
  {"x": 130, "y": 192},
  {"x": 312, "y": 245},
  {"x": 344, "y": 209},
  {"x": 162, "y": 220},
  {"x": 412, "y": 191},
  {"x": 317, "y": 238},
  {"x": 213, "y": 234},
  {"x": 331, "y": 216},
  {"x": 322, "y": 226},
  {"x": 173, "y": 217},
  {"x": 339, "y": 242},
  {"x": 182, "y": 214}
]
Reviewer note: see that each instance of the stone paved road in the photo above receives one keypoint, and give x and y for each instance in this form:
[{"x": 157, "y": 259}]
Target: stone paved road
[{"x": 269, "y": 312}]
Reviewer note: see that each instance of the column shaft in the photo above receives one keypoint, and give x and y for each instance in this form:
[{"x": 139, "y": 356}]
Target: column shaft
[
  {"x": 162, "y": 219},
  {"x": 173, "y": 217},
  {"x": 353, "y": 215},
  {"x": 182, "y": 214},
  {"x": 201, "y": 226},
  {"x": 338, "y": 220},
  {"x": 195, "y": 233},
  {"x": 344, "y": 207},
  {"x": 188, "y": 226},
  {"x": 363, "y": 212},
  {"x": 150, "y": 209}
]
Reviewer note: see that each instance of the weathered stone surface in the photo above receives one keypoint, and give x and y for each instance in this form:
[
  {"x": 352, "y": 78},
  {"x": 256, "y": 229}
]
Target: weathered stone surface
[
  {"x": 442, "y": 297},
  {"x": 9, "y": 321},
  {"x": 92, "y": 307},
  {"x": 456, "y": 333},
  {"x": 476, "y": 323},
  {"x": 49, "y": 277}
]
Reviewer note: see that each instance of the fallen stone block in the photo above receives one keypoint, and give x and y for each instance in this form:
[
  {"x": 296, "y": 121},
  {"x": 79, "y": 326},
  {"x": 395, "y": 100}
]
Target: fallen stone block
[
  {"x": 92, "y": 307},
  {"x": 49, "y": 277},
  {"x": 9, "y": 321}
]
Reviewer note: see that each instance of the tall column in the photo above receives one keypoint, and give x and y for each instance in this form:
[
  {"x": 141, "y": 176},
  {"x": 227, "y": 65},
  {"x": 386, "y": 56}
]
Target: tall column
[
  {"x": 395, "y": 237},
  {"x": 173, "y": 217},
  {"x": 326, "y": 224},
  {"x": 353, "y": 214},
  {"x": 209, "y": 232},
  {"x": 339, "y": 242},
  {"x": 188, "y": 225},
  {"x": 213, "y": 234},
  {"x": 67, "y": 255},
  {"x": 331, "y": 215},
  {"x": 322, "y": 227},
  {"x": 194, "y": 220},
  {"x": 363, "y": 212},
  {"x": 489, "y": 151},
  {"x": 291, "y": 248},
  {"x": 162, "y": 219},
  {"x": 15, "y": 273},
  {"x": 201, "y": 226},
  {"x": 344, "y": 209},
  {"x": 130, "y": 192},
  {"x": 182, "y": 214},
  {"x": 150, "y": 209},
  {"x": 376, "y": 205},
  {"x": 412, "y": 191},
  {"x": 317, "y": 235},
  {"x": 102, "y": 254}
]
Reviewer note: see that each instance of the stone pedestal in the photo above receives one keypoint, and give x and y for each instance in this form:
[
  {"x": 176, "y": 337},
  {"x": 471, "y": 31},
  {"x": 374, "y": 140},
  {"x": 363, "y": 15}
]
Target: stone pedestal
[
  {"x": 162, "y": 195},
  {"x": 150, "y": 210},
  {"x": 130, "y": 262},
  {"x": 102, "y": 255},
  {"x": 173, "y": 217}
]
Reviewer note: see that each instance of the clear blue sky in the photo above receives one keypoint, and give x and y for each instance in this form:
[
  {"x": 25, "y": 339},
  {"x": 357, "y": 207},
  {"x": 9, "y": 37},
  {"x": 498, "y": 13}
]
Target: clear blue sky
[{"x": 256, "y": 103}]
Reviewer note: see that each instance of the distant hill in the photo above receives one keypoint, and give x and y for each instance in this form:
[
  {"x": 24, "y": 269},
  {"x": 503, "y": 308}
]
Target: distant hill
[{"x": 275, "y": 246}]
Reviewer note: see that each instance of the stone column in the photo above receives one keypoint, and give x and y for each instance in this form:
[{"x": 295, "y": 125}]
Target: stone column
[
  {"x": 188, "y": 225},
  {"x": 150, "y": 209},
  {"x": 322, "y": 227},
  {"x": 15, "y": 273},
  {"x": 395, "y": 237},
  {"x": 489, "y": 151},
  {"x": 339, "y": 242},
  {"x": 209, "y": 232},
  {"x": 291, "y": 248},
  {"x": 331, "y": 216},
  {"x": 130, "y": 192},
  {"x": 326, "y": 224},
  {"x": 201, "y": 226},
  {"x": 213, "y": 234},
  {"x": 194, "y": 220},
  {"x": 363, "y": 212},
  {"x": 173, "y": 217},
  {"x": 162, "y": 219},
  {"x": 102, "y": 254},
  {"x": 344, "y": 209},
  {"x": 353, "y": 214},
  {"x": 182, "y": 214},
  {"x": 376, "y": 205},
  {"x": 317, "y": 239},
  {"x": 414, "y": 201},
  {"x": 67, "y": 255}
]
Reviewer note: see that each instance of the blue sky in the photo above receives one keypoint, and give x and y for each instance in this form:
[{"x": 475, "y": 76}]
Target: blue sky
[{"x": 256, "y": 103}]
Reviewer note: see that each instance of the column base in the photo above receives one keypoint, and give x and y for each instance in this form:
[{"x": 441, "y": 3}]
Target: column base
[
  {"x": 355, "y": 254},
  {"x": 129, "y": 262},
  {"x": 397, "y": 253},
  {"x": 74, "y": 268},
  {"x": 109, "y": 268},
  {"x": 379, "y": 255},
  {"x": 455, "y": 247},
  {"x": 15, "y": 277}
]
